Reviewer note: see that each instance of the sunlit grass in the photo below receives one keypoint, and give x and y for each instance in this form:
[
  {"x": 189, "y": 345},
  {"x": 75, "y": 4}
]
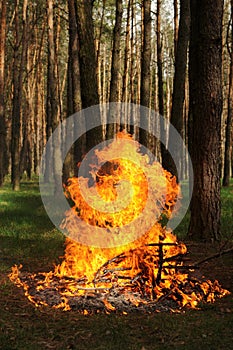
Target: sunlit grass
[{"x": 25, "y": 229}]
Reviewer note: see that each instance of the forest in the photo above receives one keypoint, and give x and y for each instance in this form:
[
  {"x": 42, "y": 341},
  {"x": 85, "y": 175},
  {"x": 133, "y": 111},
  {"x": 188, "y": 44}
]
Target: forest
[
  {"x": 151, "y": 70},
  {"x": 167, "y": 56}
]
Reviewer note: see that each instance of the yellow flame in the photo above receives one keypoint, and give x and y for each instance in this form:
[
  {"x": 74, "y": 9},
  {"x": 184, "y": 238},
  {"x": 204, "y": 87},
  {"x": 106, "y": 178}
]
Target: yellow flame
[{"x": 124, "y": 185}]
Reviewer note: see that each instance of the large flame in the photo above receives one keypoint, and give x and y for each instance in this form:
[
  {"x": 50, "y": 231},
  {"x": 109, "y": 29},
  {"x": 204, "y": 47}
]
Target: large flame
[
  {"x": 81, "y": 260},
  {"x": 144, "y": 266}
]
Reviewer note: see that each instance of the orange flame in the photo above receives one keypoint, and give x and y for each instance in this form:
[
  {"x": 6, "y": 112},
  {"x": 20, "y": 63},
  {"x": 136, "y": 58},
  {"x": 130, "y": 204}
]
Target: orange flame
[{"x": 134, "y": 268}]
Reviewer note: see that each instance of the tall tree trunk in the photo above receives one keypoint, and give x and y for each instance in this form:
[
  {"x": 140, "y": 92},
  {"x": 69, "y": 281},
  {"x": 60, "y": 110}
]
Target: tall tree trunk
[
  {"x": 98, "y": 53},
  {"x": 18, "y": 69},
  {"x": 104, "y": 70},
  {"x": 74, "y": 103},
  {"x": 39, "y": 98},
  {"x": 228, "y": 129},
  {"x": 176, "y": 25},
  {"x": 160, "y": 81},
  {"x": 87, "y": 56},
  {"x": 145, "y": 70},
  {"x": 115, "y": 68},
  {"x": 205, "y": 111},
  {"x": 87, "y": 60},
  {"x": 53, "y": 95},
  {"x": 159, "y": 59},
  {"x": 3, "y": 147},
  {"x": 132, "y": 55},
  {"x": 178, "y": 96},
  {"x": 26, "y": 152},
  {"x": 126, "y": 58},
  {"x": 15, "y": 128}
]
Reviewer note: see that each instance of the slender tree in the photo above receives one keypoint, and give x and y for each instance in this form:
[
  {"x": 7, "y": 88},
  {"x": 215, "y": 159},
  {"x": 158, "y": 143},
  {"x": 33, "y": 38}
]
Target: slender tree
[
  {"x": 116, "y": 62},
  {"x": 176, "y": 24},
  {"x": 146, "y": 55},
  {"x": 145, "y": 69},
  {"x": 127, "y": 56},
  {"x": 133, "y": 39},
  {"x": 18, "y": 70},
  {"x": 178, "y": 96},
  {"x": 205, "y": 113},
  {"x": 116, "y": 66},
  {"x": 228, "y": 129},
  {"x": 160, "y": 81},
  {"x": 159, "y": 59},
  {"x": 98, "y": 52},
  {"x": 53, "y": 109}
]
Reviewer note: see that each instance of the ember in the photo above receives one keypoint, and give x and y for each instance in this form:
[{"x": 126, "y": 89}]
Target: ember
[{"x": 137, "y": 271}]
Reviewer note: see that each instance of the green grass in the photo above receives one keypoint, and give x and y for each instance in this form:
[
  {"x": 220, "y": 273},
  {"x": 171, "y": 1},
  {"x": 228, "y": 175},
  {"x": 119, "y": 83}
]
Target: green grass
[
  {"x": 27, "y": 236},
  {"x": 26, "y": 232},
  {"x": 22, "y": 213}
]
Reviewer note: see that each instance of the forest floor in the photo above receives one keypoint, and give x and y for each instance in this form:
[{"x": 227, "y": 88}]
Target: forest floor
[{"x": 27, "y": 237}]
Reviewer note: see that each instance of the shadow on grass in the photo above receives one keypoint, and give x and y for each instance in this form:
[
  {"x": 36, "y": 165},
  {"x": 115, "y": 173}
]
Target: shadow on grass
[
  {"x": 34, "y": 254},
  {"x": 25, "y": 327}
]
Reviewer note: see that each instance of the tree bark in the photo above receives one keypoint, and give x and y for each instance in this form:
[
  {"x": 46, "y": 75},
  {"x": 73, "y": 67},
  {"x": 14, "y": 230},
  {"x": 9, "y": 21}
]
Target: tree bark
[
  {"x": 178, "y": 96},
  {"x": 205, "y": 112},
  {"x": 145, "y": 71},
  {"x": 133, "y": 39},
  {"x": 18, "y": 69},
  {"x": 127, "y": 56},
  {"x": 98, "y": 53},
  {"x": 53, "y": 96},
  {"x": 160, "y": 81},
  {"x": 228, "y": 128},
  {"x": 3, "y": 146},
  {"x": 74, "y": 103},
  {"x": 87, "y": 60},
  {"x": 87, "y": 55},
  {"x": 115, "y": 68},
  {"x": 176, "y": 24}
]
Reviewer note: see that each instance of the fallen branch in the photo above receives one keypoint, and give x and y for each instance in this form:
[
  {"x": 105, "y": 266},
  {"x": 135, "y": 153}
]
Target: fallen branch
[{"x": 217, "y": 255}]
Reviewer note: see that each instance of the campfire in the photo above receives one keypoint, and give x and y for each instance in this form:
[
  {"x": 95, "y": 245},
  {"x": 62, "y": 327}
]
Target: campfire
[{"x": 130, "y": 267}]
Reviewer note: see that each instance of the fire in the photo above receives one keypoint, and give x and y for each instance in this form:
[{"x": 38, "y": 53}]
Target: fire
[{"x": 140, "y": 264}]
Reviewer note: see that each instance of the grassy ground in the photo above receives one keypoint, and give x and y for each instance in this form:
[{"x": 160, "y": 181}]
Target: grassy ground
[{"x": 27, "y": 236}]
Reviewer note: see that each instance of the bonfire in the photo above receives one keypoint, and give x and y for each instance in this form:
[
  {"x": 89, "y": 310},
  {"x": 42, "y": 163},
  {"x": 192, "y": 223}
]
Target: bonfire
[{"x": 135, "y": 262}]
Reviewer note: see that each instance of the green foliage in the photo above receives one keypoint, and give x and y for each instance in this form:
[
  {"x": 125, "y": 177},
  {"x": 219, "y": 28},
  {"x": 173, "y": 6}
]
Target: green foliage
[{"x": 108, "y": 20}]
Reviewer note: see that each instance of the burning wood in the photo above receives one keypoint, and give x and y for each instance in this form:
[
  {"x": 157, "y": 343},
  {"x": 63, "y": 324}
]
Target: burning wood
[
  {"x": 113, "y": 290},
  {"x": 147, "y": 273}
]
